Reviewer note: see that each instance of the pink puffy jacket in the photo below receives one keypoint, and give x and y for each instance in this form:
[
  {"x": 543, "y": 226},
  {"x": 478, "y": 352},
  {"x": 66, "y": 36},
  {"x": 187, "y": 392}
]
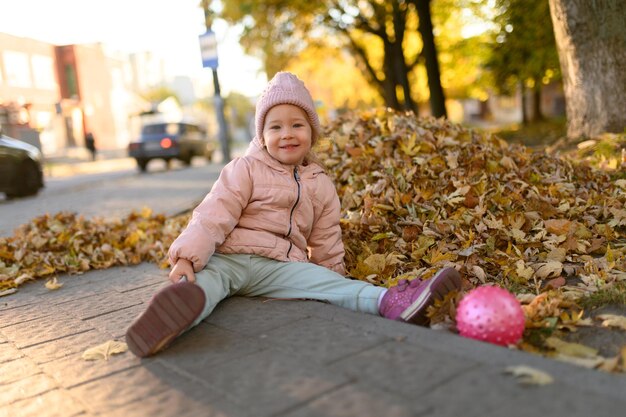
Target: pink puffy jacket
[{"x": 260, "y": 206}]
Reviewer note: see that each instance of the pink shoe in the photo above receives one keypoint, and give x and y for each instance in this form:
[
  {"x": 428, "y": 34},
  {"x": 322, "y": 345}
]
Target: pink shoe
[
  {"x": 170, "y": 312},
  {"x": 409, "y": 300}
]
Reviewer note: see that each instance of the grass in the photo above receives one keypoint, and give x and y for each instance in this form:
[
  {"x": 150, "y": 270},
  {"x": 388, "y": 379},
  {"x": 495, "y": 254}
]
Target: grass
[
  {"x": 539, "y": 134},
  {"x": 610, "y": 295}
]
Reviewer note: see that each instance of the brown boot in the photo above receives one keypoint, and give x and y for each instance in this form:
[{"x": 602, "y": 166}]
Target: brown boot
[{"x": 170, "y": 312}]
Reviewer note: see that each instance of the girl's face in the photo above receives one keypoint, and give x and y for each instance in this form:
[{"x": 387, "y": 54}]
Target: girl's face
[{"x": 287, "y": 134}]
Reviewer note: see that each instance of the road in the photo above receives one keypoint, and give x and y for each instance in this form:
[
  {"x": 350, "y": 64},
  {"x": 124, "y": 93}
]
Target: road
[{"x": 114, "y": 193}]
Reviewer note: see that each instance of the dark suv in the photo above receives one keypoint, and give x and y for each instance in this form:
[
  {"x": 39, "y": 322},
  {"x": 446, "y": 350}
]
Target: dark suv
[{"x": 169, "y": 141}]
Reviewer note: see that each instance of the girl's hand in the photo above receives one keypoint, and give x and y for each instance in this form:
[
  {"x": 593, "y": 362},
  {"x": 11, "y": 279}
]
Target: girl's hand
[{"x": 183, "y": 267}]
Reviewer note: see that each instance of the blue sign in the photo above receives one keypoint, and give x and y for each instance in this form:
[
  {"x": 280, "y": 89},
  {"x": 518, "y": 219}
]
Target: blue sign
[{"x": 208, "y": 49}]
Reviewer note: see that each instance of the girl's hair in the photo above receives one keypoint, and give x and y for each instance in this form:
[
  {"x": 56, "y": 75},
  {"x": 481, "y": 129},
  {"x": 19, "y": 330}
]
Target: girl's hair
[{"x": 312, "y": 158}]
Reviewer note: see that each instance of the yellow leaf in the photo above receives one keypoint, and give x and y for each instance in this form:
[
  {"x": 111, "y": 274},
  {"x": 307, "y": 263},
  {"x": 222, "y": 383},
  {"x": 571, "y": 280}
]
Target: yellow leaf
[
  {"x": 517, "y": 234},
  {"x": 105, "y": 350},
  {"x": 612, "y": 320},
  {"x": 23, "y": 278},
  {"x": 571, "y": 349},
  {"x": 53, "y": 284},
  {"x": 530, "y": 376},
  {"x": 375, "y": 262},
  {"x": 146, "y": 212},
  {"x": 557, "y": 254},
  {"x": 435, "y": 257},
  {"x": 493, "y": 223},
  {"x": 523, "y": 271}
]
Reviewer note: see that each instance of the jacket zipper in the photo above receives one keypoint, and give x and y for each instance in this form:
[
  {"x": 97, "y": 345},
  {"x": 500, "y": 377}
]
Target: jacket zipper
[{"x": 296, "y": 177}]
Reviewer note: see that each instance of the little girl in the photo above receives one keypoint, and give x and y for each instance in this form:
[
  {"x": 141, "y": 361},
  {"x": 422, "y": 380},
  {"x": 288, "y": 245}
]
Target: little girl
[{"x": 270, "y": 227}]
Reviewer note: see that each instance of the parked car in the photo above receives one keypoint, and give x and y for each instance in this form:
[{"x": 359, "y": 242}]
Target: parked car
[
  {"x": 169, "y": 141},
  {"x": 21, "y": 172}
]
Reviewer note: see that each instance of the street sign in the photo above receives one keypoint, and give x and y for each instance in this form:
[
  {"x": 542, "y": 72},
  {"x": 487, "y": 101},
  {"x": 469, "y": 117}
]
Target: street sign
[{"x": 208, "y": 49}]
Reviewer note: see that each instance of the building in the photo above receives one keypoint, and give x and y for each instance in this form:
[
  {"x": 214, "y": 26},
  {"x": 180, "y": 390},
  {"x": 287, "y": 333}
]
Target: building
[
  {"x": 53, "y": 95},
  {"x": 29, "y": 91}
]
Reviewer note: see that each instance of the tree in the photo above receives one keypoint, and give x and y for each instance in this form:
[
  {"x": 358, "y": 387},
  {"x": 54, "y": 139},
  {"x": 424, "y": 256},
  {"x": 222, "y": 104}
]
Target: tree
[
  {"x": 524, "y": 51},
  {"x": 158, "y": 94},
  {"x": 592, "y": 52},
  {"x": 378, "y": 33}
]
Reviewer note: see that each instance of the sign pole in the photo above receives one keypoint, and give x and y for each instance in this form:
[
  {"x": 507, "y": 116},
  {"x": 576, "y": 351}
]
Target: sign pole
[{"x": 208, "y": 49}]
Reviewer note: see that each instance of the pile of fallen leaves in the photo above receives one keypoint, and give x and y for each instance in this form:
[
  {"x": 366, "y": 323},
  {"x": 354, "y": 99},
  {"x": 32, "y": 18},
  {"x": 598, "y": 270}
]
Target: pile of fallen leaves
[
  {"x": 69, "y": 243},
  {"x": 417, "y": 195},
  {"x": 421, "y": 194}
]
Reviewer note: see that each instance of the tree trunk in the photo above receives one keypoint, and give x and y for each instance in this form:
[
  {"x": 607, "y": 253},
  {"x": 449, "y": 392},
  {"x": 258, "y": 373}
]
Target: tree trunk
[
  {"x": 390, "y": 82},
  {"x": 522, "y": 88},
  {"x": 592, "y": 52},
  {"x": 537, "y": 114},
  {"x": 437, "y": 98}
]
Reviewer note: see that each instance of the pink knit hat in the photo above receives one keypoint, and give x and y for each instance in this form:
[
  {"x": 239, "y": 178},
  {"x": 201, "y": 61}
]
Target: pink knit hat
[{"x": 286, "y": 88}]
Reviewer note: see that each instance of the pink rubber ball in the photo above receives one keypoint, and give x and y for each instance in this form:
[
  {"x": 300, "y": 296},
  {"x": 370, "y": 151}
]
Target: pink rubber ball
[{"x": 491, "y": 314}]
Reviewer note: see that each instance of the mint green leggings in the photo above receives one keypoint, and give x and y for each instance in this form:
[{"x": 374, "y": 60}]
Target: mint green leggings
[{"x": 254, "y": 276}]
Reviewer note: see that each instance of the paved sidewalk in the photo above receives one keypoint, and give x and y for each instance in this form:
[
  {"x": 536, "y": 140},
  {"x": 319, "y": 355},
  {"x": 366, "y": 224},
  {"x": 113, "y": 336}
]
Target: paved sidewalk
[{"x": 258, "y": 357}]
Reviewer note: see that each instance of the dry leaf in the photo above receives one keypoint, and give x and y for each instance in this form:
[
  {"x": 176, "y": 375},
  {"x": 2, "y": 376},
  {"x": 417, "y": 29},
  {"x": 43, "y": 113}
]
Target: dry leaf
[
  {"x": 530, "y": 376},
  {"x": 558, "y": 227},
  {"x": 612, "y": 320},
  {"x": 571, "y": 349},
  {"x": 53, "y": 284},
  {"x": 591, "y": 362},
  {"x": 103, "y": 351},
  {"x": 550, "y": 269},
  {"x": 8, "y": 292}
]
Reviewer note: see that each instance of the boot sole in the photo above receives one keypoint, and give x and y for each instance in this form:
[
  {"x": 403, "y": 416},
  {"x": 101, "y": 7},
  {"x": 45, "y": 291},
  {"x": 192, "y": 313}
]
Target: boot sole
[
  {"x": 170, "y": 312},
  {"x": 446, "y": 280}
]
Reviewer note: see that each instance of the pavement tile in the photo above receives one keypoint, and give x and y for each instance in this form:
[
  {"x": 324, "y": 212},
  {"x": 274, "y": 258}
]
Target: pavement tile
[
  {"x": 65, "y": 346},
  {"x": 270, "y": 383},
  {"x": 479, "y": 392},
  {"x": 117, "y": 322},
  {"x": 144, "y": 293},
  {"x": 177, "y": 402},
  {"x": 359, "y": 400},
  {"x": 253, "y": 316},
  {"x": 8, "y": 352},
  {"x": 45, "y": 329},
  {"x": 320, "y": 340},
  {"x": 23, "y": 314},
  {"x": 98, "y": 304},
  {"x": 142, "y": 385},
  {"x": 205, "y": 346},
  {"x": 26, "y": 388},
  {"x": 139, "y": 276},
  {"x": 24, "y": 296},
  {"x": 74, "y": 370},
  {"x": 550, "y": 401},
  {"x": 402, "y": 368},
  {"x": 18, "y": 369},
  {"x": 451, "y": 344},
  {"x": 56, "y": 403}
]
